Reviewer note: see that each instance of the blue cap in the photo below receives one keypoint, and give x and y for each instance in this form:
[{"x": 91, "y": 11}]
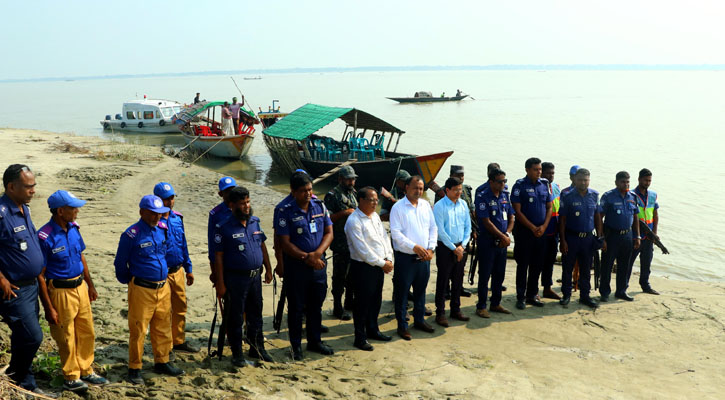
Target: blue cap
[
  {"x": 226, "y": 183},
  {"x": 153, "y": 203},
  {"x": 62, "y": 198},
  {"x": 574, "y": 169},
  {"x": 301, "y": 170},
  {"x": 164, "y": 190}
]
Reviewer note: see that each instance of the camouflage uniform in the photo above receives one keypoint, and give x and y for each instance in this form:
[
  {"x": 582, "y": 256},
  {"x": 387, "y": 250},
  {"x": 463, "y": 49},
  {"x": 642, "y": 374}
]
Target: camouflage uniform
[{"x": 336, "y": 200}]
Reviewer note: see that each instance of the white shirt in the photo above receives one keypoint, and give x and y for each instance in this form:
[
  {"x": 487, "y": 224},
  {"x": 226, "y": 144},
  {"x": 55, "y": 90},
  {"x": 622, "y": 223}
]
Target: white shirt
[
  {"x": 411, "y": 225},
  {"x": 367, "y": 239}
]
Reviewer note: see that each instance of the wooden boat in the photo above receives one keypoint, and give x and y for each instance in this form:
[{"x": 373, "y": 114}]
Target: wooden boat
[
  {"x": 201, "y": 127},
  {"x": 426, "y": 97},
  {"x": 293, "y": 144}
]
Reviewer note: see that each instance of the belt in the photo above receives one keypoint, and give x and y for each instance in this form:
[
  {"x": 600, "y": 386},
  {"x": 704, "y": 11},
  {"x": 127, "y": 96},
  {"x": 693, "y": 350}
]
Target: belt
[
  {"x": 66, "y": 283},
  {"x": 618, "y": 232},
  {"x": 173, "y": 270},
  {"x": 579, "y": 234},
  {"x": 148, "y": 284},
  {"x": 245, "y": 272},
  {"x": 26, "y": 282}
]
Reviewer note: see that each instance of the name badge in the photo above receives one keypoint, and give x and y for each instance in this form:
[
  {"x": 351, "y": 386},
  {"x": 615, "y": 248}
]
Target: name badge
[
  {"x": 241, "y": 247},
  {"x": 23, "y": 245},
  {"x": 313, "y": 227},
  {"x": 147, "y": 244},
  {"x": 19, "y": 228},
  {"x": 300, "y": 218},
  {"x": 238, "y": 235},
  {"x": 58, "y": 249}
]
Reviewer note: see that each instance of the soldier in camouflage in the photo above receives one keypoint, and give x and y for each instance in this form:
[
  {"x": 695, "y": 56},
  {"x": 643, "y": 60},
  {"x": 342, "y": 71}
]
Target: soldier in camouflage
[{"x": 395, "y": 194}]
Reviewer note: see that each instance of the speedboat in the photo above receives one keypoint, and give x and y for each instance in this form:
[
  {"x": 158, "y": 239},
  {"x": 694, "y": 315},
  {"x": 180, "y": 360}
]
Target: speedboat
[{"x": 145, "y": 116}]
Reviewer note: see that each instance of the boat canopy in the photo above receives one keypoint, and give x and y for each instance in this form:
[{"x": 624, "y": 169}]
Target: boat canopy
[
  {"x": 310, "y": 118},
  {"x": 188, "y": 113}
]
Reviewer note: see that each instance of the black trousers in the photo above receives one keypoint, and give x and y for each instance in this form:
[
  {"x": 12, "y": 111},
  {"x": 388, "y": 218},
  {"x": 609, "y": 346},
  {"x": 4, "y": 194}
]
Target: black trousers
[
  {"x": 448, "y": 270},
  {"x": 368, "y": 287},
  {"x": 341, "y": 282},
  {"x": 547, "y": 269},
  {"x": 529, "y": 254}
]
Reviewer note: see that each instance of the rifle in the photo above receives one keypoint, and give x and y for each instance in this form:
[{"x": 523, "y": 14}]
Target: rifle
[
  {"x": 648, "y": 234},
  {"x": 474, "y": 263},
  {"x": 211, "y": 331},
  {"x": 223, "y": 326},
  {"x": 277, "y": 321}
]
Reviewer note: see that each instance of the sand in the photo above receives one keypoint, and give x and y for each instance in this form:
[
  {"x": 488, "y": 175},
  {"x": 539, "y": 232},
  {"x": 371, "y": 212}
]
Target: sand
[{"x": 668, "y": 346}]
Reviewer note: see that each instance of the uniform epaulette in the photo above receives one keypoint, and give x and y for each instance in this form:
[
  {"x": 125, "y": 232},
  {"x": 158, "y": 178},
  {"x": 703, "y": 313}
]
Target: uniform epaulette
[
  {"x": 544, "y": 180},
  {"x": 594, "y": 191},
  {"x": 132, "y": 231},
  {"x": 254, "y": 218},
  {"x": 162, "y": 225},
  {"x": 44, "y": 232},
  {"x": 3, "y": 211},
  {"x": 216, "y": 209},
  {"x": 177, "y": 213},
  {"x": 73, "y": 223}
]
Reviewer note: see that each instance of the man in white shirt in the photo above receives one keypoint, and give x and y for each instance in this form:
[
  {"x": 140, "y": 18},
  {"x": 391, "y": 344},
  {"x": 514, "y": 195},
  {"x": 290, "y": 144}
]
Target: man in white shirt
[
  {"x": 371, "y": 257},
  {"x": 414, "y": 232}
]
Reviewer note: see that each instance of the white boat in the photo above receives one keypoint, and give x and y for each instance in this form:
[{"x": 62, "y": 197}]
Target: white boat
[{"x": 145, "y": 116}]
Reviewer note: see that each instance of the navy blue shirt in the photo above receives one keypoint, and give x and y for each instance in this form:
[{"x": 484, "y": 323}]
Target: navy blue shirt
[
  {"x": 579, "y": 210},
  {"x": 142, "y": 253},
  {"x": 177, "y": 251},
  {"x": 486, "y": 185},
  {"x": 533, "y": 198},
  {"x": 217, "y": 215},
  {"x": 496, "y": 209},
  {"x": 242, "y": 245},
  {"x": 305, "y": 229},
  {"x": 61, "y": 250},
  {"x": 20, "y": 255},
  {"x": 618, "y": 211}
]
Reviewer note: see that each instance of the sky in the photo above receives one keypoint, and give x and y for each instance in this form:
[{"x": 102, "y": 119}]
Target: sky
[{"x": 45, "y": 38}]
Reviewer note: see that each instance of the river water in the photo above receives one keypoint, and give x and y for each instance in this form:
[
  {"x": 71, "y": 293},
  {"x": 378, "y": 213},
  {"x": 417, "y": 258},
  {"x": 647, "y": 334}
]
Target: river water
[{"x": 671, "y": 122}]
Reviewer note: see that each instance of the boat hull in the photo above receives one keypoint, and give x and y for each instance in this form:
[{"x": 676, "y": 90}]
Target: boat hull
[
  {"x": 426, "y": 99},
  {"x": 148, "y": 127},
  {"x": 221, "y": 146}
]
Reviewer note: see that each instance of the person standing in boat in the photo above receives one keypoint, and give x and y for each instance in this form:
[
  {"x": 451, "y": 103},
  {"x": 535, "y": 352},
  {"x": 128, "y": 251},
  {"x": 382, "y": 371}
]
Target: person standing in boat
[
  {"x": 227, "y": 120},
  {"x": 196, "y": 99},
  {"x": 234, "y": 108}
]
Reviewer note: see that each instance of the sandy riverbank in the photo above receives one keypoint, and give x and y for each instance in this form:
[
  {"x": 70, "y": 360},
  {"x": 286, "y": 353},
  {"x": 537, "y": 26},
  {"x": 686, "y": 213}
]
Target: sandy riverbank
[{"x": 667, "y": 346}]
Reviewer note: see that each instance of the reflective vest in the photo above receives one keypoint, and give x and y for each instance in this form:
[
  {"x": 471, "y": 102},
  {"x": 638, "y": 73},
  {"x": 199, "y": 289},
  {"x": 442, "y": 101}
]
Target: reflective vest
[
  {"x": 555, "y": 191},
  {"x": 646, "y": 206}
]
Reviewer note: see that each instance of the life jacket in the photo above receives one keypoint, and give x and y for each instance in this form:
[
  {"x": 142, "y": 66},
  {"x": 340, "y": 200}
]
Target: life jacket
[
  {"x": 555, "y": 191},
  {"x": 646, "y": 206}
]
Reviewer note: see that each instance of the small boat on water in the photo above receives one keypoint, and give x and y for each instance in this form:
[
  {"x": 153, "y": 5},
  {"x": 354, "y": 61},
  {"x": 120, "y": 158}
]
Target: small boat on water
[
  {"x": 252, "y": 78},
  {"x": 427, "y": 97},
  {"x": 202, "y": 130},
  {"x": 293, "y": 143},
  {"x": 145, "y": 116}
]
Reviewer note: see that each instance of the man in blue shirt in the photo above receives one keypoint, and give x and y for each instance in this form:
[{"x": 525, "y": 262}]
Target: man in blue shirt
[
  {"x": 240, "y": 252},
  {"x": 179, "y": 265},
  {"x": 67, "y": 292},
  {"x": 218, "y": 215},
  {"x": 141, "y": 263},
  {"x": 619, "y": 210},
  {"x": 21, "y": 262},
  {"x": 578, "y": 216},
  {"x": 532, "y": 204},
  {"x": 454, "y": 232},
  {"x": 305, "y": 231},
  {"x": 496, "y": 220}
]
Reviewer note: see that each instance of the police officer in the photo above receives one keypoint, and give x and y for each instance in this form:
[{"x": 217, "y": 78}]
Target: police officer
[
  {"x": 217, "y": 215},
  {"x": 67, "y": 292},
  {"x": 395, "y": 194},
  {"x": 21, "y": 262},
  {"x": 648, "y": 206},
  {"x": 141, "y": 263},
  {"x": 551, "y": 235},
  {"x": 496, "y": 219},
  {"x": 305, "y": 231},
  {"x": 619, "y": 210},
  {"x": 341, "y": 201},
  {"x": 179, "y": 264},
  {"x": 532, "y": 204},
  {"x": 578, "y": 216},
  {"x": 239, "y": 252}
]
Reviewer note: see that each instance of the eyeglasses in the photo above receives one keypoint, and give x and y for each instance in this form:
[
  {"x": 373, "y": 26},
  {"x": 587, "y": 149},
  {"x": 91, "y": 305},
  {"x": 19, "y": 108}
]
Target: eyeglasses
[
  {"x": 375, "y": 200},
  {"x": 502, "y": 181}
]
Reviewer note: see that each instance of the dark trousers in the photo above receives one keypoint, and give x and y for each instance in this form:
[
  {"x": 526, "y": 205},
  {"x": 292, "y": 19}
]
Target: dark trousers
[
  {"x": 449, "y": 269},
  {"x": 581, "y": 250},
  {"x": 368, "y": 289},
  {"x": 410, "y": 272},
  {"x": 244, "y": 295},
  {"x": 491, "y": 263},
  {"x": 21, "y": 315},
  {"x": 547, "y": 269},
  {"x": 306, "y": 289},
  {"x": 619, "y": 248},
  {"x": 341, "y": 283},
  {"x": 645, "y": 253},
  {"x": 529, "y": 255}
]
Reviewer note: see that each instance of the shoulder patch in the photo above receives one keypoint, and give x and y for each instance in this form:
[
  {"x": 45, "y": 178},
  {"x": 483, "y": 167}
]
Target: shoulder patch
[
  {"x": 44, "y": 232},
  {"x": 162, "y": 225},
  {"x": 178, "y": 213},
  {"x": 132, "y": 231}
]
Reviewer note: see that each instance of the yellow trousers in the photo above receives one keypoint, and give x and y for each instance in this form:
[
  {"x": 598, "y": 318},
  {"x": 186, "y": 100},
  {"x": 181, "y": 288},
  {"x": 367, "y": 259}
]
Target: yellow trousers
[
  {"x": 177, "y": 285},
  {"x": 148, "y": 307},
  {"x": 74, "y": 332}
]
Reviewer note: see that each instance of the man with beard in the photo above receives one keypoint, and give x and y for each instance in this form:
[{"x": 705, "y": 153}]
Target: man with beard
[
  {"x": 240, "y": 252},
  {"x": 341, "y": 201}
]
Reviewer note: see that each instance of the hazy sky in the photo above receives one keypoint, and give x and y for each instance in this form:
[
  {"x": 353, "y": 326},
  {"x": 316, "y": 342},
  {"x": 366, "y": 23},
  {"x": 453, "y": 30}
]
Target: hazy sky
[{"x": 88, "y": 38}]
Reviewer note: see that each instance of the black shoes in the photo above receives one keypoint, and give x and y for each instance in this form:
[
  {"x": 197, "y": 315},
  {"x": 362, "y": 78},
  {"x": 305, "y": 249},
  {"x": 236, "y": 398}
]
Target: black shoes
[
  {"x": 650, "y": 291},
  {"x": 624, "y": 296},
  {"x": 565, "y": 300},
  {"x": 339, "y": 312},
  {"x": 186, "y": 347},
  {"x": 238, "y": 360},
  {"x": 465, "y": 293},
  {"x": 94, "y": 379},
  {"x": 364, "y": 346},
  {"x": 260, "y": 354},
  {"x": 520, "y": 304},
  {"x": 588, "y": 301},
  {"x": 380, "y": 337},
  {"x": 168, "y": 369},
  {"x": 535, "y": 301},
  {"x": 297, "y": 353},
  {"x": 75, "y": 386},
  {"x": 324, "y": 329},
  {"x": 134, "y": 376},
  {"x": 321, "y": 348},
  {"x": 605, "y": 299}
]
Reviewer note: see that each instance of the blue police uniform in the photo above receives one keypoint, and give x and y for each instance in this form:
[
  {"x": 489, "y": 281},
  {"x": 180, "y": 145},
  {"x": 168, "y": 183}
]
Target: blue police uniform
[
  {"x": 62, "y": 250},
  {"x": 21, "y": 261},
  {"x": 217, "y": 215},
  {"x": 306, "y": 287},
  {"x": 177, "y": 250},
  {"x": 529, "y": 250},
  {"x": 579, "y": 212},
  {"x": 491, "y": 258},
  {"x": 618, "y": 211},
  {"x": 243, "y": 259},
  {"x": 142, "y": 253}
]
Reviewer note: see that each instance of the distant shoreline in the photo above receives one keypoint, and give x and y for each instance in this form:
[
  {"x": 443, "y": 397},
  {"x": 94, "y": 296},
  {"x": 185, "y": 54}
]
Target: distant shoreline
[{"x": 413, "y": 68}]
